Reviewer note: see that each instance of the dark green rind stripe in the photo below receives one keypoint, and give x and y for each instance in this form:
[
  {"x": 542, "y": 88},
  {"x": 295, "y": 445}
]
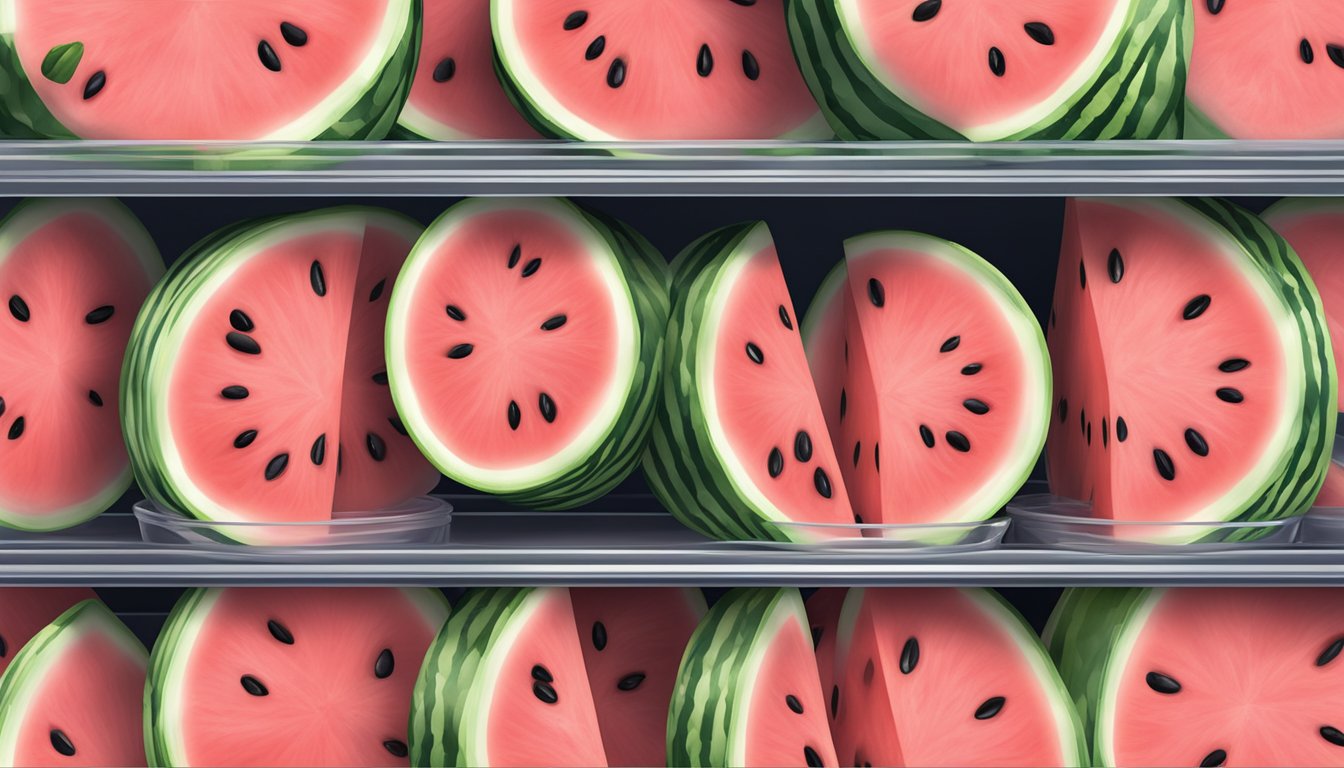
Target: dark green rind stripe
[{"x": 165, "y": 648}]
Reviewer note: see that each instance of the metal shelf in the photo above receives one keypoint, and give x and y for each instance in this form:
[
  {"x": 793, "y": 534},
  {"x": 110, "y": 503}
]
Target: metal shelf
[{"x": 402, "y": 169}]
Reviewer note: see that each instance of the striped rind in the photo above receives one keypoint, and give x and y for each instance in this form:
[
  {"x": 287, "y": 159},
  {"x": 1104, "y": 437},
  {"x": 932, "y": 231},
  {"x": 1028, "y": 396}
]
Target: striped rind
[{"x": 1136, "y": 93}]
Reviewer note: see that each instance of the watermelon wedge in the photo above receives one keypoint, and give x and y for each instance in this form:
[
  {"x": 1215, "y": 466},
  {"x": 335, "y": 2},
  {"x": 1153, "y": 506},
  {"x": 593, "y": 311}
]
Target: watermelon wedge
[
  {"x": 611, "y": 70},
  {"x": 823, "y": 613},
  {"x": 255, "y": 388},
  {"x": 455, "y": 94},
  {"x": 747, "y": 692},
  {"x": 1048, "y": 69},
  {"x": 287, "y": 677},
  {"x": 290, "y": 70},
  {"x": 73, "y": 273},
  {"x": 523, "y": 348},
  {"x": 919, "y": 688},
  {"x": 739, "y": 443},
  {"x": 1272, "y": 69},
  {"x": 72, "y": 695},
  {"x": 1194, "y": 378},
  {"x": 941, "y": 414},
  {"x": 26, "y": 610},
  {"x": 1235, "y": 677}
]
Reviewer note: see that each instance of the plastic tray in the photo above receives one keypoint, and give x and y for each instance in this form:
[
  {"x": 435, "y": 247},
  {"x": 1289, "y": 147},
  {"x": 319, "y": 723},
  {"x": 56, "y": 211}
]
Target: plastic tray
[
  {"x": 421, "y": 521},
  {"x": 922, "y": 538}
]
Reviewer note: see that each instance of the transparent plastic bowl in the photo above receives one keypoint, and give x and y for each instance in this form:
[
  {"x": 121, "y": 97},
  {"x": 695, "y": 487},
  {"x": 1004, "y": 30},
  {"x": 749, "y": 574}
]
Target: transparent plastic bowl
[
  {"x": 907, "y": 537},
  {"x": 423, "y": 520}
]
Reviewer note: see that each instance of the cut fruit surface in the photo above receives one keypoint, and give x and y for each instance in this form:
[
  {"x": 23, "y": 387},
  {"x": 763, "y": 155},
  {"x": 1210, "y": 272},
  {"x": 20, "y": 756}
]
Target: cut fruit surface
[
  {"x": 26, "y": 610},
  {"x": 823, "y": 614},
  {"x": 73, "y": 274}
]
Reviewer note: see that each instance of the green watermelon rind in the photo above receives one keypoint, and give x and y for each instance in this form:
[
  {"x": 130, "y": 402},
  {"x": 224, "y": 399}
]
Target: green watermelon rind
[
  {"x": 583, "y": 472},
  {"x": 27, "y": 673},
  {"x": 368, "y": 113},
  {"x": 1137, "y": 92}
]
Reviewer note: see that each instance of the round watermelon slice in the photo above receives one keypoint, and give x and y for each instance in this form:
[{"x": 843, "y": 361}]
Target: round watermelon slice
[
  {"x": 256, "y": 390},
  {"x": 26, "y": 610},
  {"x": 456, "y": 94},
  {"x": 1194, "y": 375},
  {"x": 1213, "y": 677},
  {"x": 523, "y": 345},
  {"x": 739, "y": 449},
  {"x": 701, "y": 70},
  {"x": 940, "y": 415},
  {"x": 199, "y": 69},
  {"x": 73, "y": 274},
  {"x": 72, "y": 695},
  {"x": 1045, "y": 69},
  {"x": 288, "y": 677}
]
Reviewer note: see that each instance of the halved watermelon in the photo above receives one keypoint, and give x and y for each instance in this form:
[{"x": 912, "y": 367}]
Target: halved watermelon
[
  {"x": 954, "y": 405},
  {"x": 255, "y": 386},
  {"x": 1271, "y": 69},
  {"x": 25, "y": 610},
  {"x": 1235, "y": 677},
  {"x": 739, "y": 448},
  {"x": 609, "y": 70},
  {"x": 282, "y": 676},
  {"x": 524, "y": 346},
  {"x": 1044, "y": 69},
  {"x": 72, "y": 695},
  {"x": 747, "y": 692},
  {"x": 73, "y": 273},
  {"x": 289, "y": 70},
  {"x": 949, "y": 677},
  {"x": 1194, "y": 375},
  {"x": 456, "y": 94}
]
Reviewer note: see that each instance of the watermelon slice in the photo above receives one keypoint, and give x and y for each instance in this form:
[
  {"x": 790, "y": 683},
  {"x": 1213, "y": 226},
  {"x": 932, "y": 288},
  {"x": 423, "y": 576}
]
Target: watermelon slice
[
  {"x": 199, "y": 69},
  {"x": 256, "y": 391},
  {"x": 615, "y": 70},
  {"x": 1046, "y": 69},
  {"x": 288, "y": 677},
  {"x": 72, "y": 695},
  {"x": 1270, "y": 69},
  {"x": 739, "y": 443},
  {"x": 747, "y": 692},
  {"x": 1194, "y": 376},
  {"x": 1235, "y": 677},
  {"x": 455, "y": 94},
  {"x": 919, "y": 687},
  {"x": 27, "y": 610},
  {"x": 823, "y": 612},
  {"x": 530, "y": 373},
  {"x": 942, "y": 415},
  {"x": 73, "y": 273}
]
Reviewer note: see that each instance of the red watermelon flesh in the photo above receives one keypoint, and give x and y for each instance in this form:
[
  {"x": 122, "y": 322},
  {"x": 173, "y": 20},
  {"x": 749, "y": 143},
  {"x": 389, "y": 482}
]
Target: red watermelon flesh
[
  {"x": 860, "y": 705},
  {"x": 823, "y": 614},
  {"x": 456, "y": 94},
  {"x": 25, "y": 610},
  {"x": 786, "y": 705}
]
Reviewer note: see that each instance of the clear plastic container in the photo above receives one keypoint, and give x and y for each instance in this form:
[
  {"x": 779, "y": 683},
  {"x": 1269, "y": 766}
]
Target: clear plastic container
[
  {"x": 920, "y": 538},
  {"x": 420, "y": 521}
]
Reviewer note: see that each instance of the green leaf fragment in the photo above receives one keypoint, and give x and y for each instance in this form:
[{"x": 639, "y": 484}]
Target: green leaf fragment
[{"x": 60, "y": 63}]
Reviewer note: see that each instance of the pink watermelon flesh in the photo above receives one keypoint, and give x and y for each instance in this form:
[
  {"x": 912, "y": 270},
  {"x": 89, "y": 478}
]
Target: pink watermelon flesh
[
  {"x": 646, "y": 82},
  {"x": 1248, "y": 662},
  {"x": 1249, "y": 70},
  {"x": 860, "y": 715},
  {"x": 823, "y": 614},
  {"x": 1138, "y": 388},
  {"x": 326, "y": 703},
  {"x": 456, "y": 94},
  {"x": 26, "y": 610},
  {"x": 192, "y": 70},
  {"x": 787, "y": 724},
  {"x": 311, "y": 398},
  {"x": 60, "y": 359}
]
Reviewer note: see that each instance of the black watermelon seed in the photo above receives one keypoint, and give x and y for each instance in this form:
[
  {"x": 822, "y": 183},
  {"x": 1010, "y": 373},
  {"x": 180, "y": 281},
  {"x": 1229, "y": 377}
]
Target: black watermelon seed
[
  {"x": 317, "y": 278},
  {"x": 616, "y": 73},
  {"x": 1304, "y": 50},
  {"x": 554, "y": 322},
  {"x": 877, "y": 456},
  {"x": 318, "y": 453},
  {"x": 397, "y": 425},
  {"x": 978, "y": 407},
  {"x": 1332, "y": 735},
  {"x": 4, "y": 648},
  {"x": 1196, "y": 441},
  {"x": 245, "y": 438},
  {"x": 1230, "y": 395},
  {"x": 835, "y": 700},
  {"x": 240, "y": 321},
  {"x": 100, "y": 314},
  {"x": 996, "y": 63},
  {"x": 276, "y": 466},
  {"x": 95, "y": 398},
  {"x": 784, "y": 317},
  {"x": 1164, "y": 466},
  {"x": 280, "y": 632},
  {"x": 1215, "y": 758},
  {"x": 972, "y": 369},
  {"x": 750, "y": 67},
  {"x": 543, "y": 674},
  {"x": 927, "y": 10},
  {"x": 958, "y": 441},
  {"x": 19, "y": 309},
  {"x": 460, "y": 351},
  {"x": 531, "y": 267},
  {"x": 1105, "y": 432},
  {"x": 755, "y": 354},
  {"x": 94, "y": 84},
  {"x": 1063, "y": 409},
  {"x": 990, "y": 708},
  {"x": 844, "y": 403},
  {"x": 243, "y": 343},
  {"x": 545, "y": 692},
  {"x": 377, "y": 448},
  {"x": 1040, "y": 32},
  {"x": 396, "y": 748},
  {"x": 794, "y": 704},
  {"x": 379, "y": 378},
  {"x": 1328, "y": 655},
  {"x": 1121, "y": 429},
  {"x": 575, "y": 20},
  {"x": 876, "y": 293},
  {"x": 745, "y": 3},
  {"x": 630, "y": 682},
  {"x": 1082, "y": 420},
  {"x": 1234, "y": 364},
  {"x": 775, "y": 464},
  {"x": 254, "y": 686},
  {"x": 950, "y": 344},
  {"x": 268, "y": 56},
  {"x": 16, "y": 429},
  {"x": 1115, "y": 265},
  {"x": 2, "y": 406},
  {"x": 1082, "y": 274},
  {"x": 377, "y": 291},
  {"x": 813, "y": 759},
  {"x": 909, "y": 656},
  {"x": 868, "y": 672},
  {"x": 704, "y": 61},
  {"x": 857, "y": 447},
  {"x": 595, "y": 48},
  {"x": 293, "y": 34},
  {"x": 61, "y": 743},
  {"x": 802, "y": 446},
  {"x": 455, "y": 312},
  {"x": 444, "y": 70},
  {"x": 384, "y": 664},
  {"x": 515, "y": 255},
  {"x": 1196, "y": 306},
  {"x": 926, "y": 435},
  {"x": 234, "y": 392},
  {"x": 340, "y": 458},
  {"x": 823, "y": 483},
  {"x": 547, "y": 406},
  {"x": 1088, "y": 432},
  {"x": 1162, "y": 683},
  {"x": 1336, "y": 54},
  {"x": 515, "y": 415},
  {"x": 1214, "y": 6},
  {"x": 599, "y": 635}
]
